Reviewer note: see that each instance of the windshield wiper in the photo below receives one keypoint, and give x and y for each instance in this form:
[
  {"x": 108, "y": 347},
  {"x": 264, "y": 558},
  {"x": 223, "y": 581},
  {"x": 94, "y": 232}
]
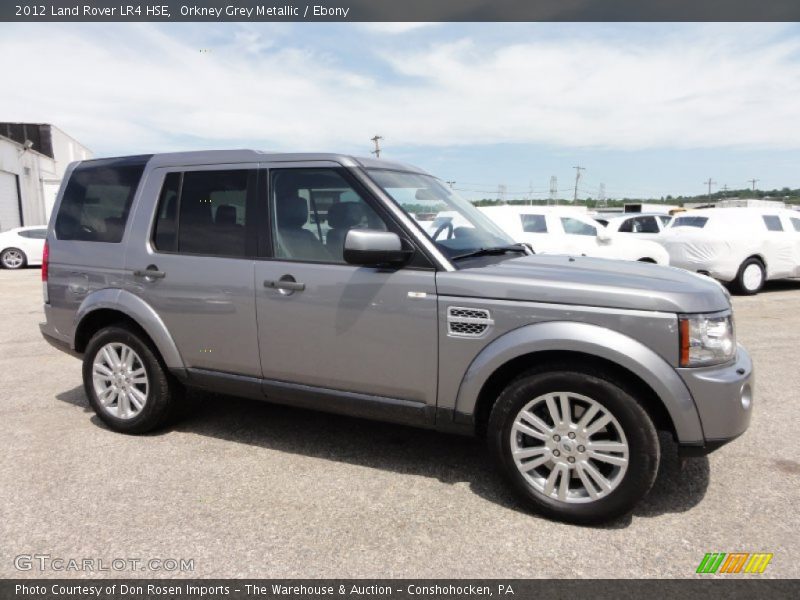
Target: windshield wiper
[{"x": 493, "y": 250}]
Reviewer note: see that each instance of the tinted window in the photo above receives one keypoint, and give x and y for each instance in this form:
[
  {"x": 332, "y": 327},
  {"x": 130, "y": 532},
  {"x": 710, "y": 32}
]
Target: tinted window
[
  {"x": 645, "y": 225},
  {"x": 577, "y": 227},
  {"x": 312, "y": 211},
  {"x": 533, "y": 223},
  {"x": 773, "y": 223},
  {"x": 627, "y": 226},
  {"x": 165, "y": 236},
  {"x": 97, "y": 201},
  {"x": 795, "y": 223},
  {"x": 698, "y": 222},
  {"x": 203, "y": 212},
  {"x": 665, "y": 219},
  {"x": 36, "y": 234}
]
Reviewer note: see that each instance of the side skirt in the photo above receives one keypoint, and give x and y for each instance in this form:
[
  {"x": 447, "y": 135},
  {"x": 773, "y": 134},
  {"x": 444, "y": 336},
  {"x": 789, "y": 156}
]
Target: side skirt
[{"x": 379, "y": 408}]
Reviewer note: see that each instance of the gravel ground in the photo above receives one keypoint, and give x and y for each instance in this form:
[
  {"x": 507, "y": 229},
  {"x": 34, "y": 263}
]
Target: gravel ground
[{"x": 249, "y": 489}]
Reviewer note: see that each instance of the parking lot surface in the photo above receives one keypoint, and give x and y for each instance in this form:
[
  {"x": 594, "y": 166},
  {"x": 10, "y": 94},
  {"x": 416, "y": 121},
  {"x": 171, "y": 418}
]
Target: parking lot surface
[{"x": 250, "y": 489}]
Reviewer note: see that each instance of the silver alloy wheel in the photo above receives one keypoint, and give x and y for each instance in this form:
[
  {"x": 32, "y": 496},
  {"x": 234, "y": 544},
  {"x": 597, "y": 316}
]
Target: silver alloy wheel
[
  {"x": 13, "y": 259},
  {"x": 753, "y": 276},
  {"x": 569, "y": 447},
  {"x": 120, "y": 380}
]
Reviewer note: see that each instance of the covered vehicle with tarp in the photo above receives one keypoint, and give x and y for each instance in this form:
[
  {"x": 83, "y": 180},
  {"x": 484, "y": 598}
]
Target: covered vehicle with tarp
[{"x": 741, "y": 246}]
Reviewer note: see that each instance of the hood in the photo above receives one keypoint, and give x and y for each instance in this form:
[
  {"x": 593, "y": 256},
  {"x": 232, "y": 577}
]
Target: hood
[{"x": 589, "y": 282}]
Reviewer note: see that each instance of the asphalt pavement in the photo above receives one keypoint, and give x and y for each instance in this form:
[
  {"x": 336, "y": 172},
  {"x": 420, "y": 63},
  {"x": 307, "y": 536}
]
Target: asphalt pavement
[{"x": 250, "y": 489}]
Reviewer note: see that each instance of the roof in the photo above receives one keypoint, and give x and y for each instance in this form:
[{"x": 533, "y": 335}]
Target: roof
[{"x": 201, "y": 157}]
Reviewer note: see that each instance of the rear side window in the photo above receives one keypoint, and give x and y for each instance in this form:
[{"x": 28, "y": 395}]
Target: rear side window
[
  {"x": 698, "y": 222},
  {"x": 772, "y": 222},
  {"x": 533, "y": 223},
  {"x": 645, "y": 225},
  {"x": 627, "y": 226},
  {"x": 665, "y": 219},
  {"x": 97, "y": 201},
  {"x": 795, "y": 223},
  {"x": 204, "y": 212}
]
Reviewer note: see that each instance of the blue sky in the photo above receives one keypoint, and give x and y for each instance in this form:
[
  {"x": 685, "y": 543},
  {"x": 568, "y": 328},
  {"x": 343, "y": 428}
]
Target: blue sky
[{"x": 647, "y": 109}]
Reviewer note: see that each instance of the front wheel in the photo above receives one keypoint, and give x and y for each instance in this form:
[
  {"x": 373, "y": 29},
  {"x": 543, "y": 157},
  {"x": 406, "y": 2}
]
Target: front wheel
[
  {"x": 576, "y": 447},
  {"x": 13, "y": 258}
]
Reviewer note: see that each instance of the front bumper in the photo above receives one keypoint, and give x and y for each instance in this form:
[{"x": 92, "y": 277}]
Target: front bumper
[{"x": 723, "y": 396}]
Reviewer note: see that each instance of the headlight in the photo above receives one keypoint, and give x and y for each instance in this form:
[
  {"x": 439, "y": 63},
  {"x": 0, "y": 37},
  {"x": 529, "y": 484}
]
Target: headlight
[{"x": 706, "y": 339}]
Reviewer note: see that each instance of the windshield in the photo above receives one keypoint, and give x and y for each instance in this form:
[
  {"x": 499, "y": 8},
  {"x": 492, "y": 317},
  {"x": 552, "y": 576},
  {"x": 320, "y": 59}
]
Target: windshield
[{"x": 455, "y": 226}]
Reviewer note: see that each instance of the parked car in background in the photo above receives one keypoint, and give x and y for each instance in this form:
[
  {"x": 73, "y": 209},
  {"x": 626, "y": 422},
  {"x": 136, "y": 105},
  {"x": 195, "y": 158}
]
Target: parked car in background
[
  {"x": 561, "y": 230},
  {"x": 644, "y": 226},
  {"x": 741, "y": 246},
  {"x": 22, "y": 246}
]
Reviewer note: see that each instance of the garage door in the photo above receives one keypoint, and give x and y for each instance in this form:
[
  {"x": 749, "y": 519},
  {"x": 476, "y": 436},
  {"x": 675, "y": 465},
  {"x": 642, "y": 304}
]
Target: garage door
[{"x": 9, "y": 201}]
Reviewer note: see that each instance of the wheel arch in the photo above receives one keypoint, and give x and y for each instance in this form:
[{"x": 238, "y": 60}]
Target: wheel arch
[
  {"x": 661, "y": 390},
  {"x": 107, "y": 306}
]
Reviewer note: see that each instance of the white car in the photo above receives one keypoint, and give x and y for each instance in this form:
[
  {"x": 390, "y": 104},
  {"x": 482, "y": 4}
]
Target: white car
[
  {"x": 741, "y": 246},
  {"x": 642, "y": 226},
  {"x": 22, "y": 246},
  {"x": 560, "y": 230}
]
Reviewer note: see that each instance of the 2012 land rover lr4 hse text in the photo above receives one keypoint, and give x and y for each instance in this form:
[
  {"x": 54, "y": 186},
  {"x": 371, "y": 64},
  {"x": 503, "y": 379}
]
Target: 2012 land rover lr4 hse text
[{"x": 313, "y": 280}]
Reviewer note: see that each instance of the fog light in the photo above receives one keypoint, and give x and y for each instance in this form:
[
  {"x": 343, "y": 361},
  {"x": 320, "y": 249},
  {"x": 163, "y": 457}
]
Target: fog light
[{"x": 747, "y": 396}]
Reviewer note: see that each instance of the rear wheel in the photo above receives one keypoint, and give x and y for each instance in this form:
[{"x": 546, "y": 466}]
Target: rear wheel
[
  {"x": 126, "y": 383},
  {"x": 575, "y": 447},
  {"x": 13, "y": 258},
  {"x": 751, "y": 276}
]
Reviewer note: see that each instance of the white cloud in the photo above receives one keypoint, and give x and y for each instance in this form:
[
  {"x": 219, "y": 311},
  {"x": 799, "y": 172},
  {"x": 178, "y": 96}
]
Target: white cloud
[
  {"x": 393, "y": 28},
  {"x": 139, "y": 88}
]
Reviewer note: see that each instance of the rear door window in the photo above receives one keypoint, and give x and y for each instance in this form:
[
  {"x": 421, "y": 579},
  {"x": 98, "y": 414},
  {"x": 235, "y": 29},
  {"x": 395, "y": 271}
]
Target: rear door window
[
  {"x": 773, "y": 222},
  {"x": 97, "y": 200},
  {"x": 645, "y": 225},
  {"x": 205, "y": 212},
  {"x": 533, "y": 223},
  {"x": 35, "y": 234}
]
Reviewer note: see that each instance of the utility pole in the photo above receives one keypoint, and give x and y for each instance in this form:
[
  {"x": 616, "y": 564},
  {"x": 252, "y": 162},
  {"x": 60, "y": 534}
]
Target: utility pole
[
  {"x": 530, "y": 192},
  {"x": 754, "y": 182},
  {"x": 377, "y": 141},
  {"x": 577, "y": 179},
  {"x": 601, "y": 195},
  {"x": 501, "y": 193},
  {"x": 709, "y": 183},
  {"x": 553, "y": 190},
  {"x": 450, "y": 183},
  {"x": 724, "y": 190}
]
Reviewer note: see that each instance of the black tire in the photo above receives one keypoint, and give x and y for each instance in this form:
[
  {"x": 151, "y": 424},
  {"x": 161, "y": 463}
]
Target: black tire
[
  {"x": 641, "y": 435},
  {"x": 5, "y": 254},
  {"x": 740, "y": 286},
  {"x": 165, "y": 395}
]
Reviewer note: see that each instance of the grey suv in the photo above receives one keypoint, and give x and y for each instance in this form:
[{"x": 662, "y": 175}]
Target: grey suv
[{"x": 308, "y": 279}]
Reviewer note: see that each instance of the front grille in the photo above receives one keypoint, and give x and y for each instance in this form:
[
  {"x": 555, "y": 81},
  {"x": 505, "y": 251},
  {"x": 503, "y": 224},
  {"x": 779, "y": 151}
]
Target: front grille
[{"x": 468, "y": 322}]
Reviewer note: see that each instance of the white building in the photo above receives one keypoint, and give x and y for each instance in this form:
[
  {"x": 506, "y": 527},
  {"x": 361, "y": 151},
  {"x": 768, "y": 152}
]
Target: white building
[{"x": 33, "y": 158}]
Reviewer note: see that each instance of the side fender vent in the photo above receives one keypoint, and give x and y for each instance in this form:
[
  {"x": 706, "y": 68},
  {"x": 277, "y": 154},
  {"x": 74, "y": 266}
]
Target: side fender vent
[{"x": 468, "y": 322}]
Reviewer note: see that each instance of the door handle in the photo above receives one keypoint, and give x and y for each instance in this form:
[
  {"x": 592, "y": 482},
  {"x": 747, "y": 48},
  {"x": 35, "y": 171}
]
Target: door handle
[
  {"x": 150, "y": 272},
  {"x": 282, "y": 284}
]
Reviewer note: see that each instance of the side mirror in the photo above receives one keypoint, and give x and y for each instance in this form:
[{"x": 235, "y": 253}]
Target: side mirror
[
  {"x": 370, "y": 248},
  {"x": 603, "y": 237}
]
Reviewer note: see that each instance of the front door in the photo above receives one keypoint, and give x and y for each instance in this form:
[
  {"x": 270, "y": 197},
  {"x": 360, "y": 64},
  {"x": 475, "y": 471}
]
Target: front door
[{"x": 336, "y": 327}]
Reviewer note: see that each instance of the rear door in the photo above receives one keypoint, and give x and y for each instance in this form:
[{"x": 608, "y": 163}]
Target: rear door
[
  {"x": 337, "y": 328},
  {"x": 192, "y": 260}
]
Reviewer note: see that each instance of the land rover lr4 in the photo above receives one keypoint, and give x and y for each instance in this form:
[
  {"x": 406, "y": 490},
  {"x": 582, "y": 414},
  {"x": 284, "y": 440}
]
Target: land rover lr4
[{"x": 320, "y": 280}]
